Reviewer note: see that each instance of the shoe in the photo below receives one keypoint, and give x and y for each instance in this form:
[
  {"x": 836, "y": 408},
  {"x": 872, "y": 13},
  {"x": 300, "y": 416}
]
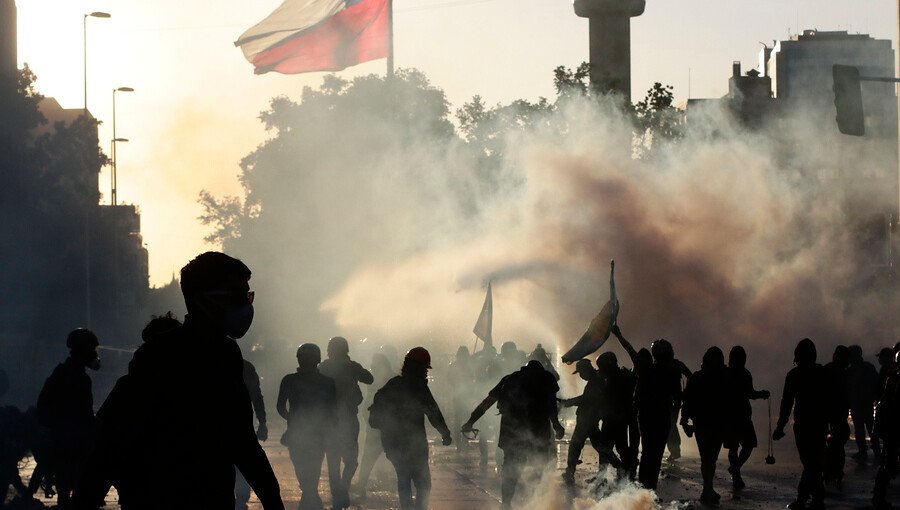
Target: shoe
[
  {"x": 673, "y": 456},
  {"x": 737, "y": 483},
  {"x": 710, "y": 498},
  {"x": 797, "y": 505}
]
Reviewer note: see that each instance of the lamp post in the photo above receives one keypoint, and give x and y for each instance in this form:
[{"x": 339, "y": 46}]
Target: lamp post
[
  {"x": 113, "y": 181},
  {"x": 95, "y": 14}
]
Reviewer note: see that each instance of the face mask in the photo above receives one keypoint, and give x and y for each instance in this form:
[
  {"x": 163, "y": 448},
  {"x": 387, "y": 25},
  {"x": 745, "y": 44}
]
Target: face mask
[{"x": 237, "y": 321}]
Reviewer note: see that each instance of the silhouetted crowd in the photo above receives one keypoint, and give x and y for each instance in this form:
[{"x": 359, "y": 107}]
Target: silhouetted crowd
[{"x": 190, "y": 395}]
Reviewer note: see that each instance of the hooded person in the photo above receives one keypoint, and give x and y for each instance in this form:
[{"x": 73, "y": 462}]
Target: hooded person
[
  {"x": 398, "y": 411},
  {"x": 741, "y": 439},
  {"x": 887, "y": 426},
  {"x": 806, "y": 394},
  {"x": 187, "y": 419},
  {"x": 66, "y": 407},
  {"x": 709, "y": 400}
]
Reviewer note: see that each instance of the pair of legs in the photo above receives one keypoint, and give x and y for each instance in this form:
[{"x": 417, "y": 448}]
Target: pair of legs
[
  {"x": 811, "y": 447},
  {"x": 584, "y": 430},
  {"x": 863, "y": 420},
  {"x": 412, "y": 469},
  {"x": 739, "y": 449},
  {"x": 709, "y": 443},
  {"x": 887, "y": 470},
  {"x": 673, "y": 442},
  {"x": 343, "y": 450},
  {"x": 614, "y": 434},
  {"x": 839, "y": 434},
  {"x": 518, "y": 458},
  {"x": 655, "y": 426},
  {"x": 372, "y": 450},
  {"x": 307, "y": 459}
]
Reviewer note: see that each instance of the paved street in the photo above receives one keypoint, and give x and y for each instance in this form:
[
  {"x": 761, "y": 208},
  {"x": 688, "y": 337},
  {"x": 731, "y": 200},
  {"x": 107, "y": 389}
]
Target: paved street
[{"x": 459, "y": 483}]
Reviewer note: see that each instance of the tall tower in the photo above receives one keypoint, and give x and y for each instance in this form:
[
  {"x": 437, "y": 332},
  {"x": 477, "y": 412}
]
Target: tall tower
[
  {"x": 8, "y": 50},
  {"x": 610, "y": 41}
]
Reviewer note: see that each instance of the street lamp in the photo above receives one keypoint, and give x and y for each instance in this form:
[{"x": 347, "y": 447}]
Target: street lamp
[
  {"x": 113, "y": 200},
  {"x": 114, "y": 140},
  {"x": 95, "y": 14}
]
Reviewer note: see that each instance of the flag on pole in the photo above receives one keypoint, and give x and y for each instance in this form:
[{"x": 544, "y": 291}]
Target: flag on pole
[
  {"x": 485, "y": 323},
  {"x": 304, "y": 36},
  {"x": 599, "y": 329}
]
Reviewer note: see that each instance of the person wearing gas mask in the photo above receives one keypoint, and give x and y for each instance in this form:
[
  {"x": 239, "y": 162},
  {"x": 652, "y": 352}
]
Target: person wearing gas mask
[
  {"x": 191, "y": 421},
  {"x": 66, "y": 407}
]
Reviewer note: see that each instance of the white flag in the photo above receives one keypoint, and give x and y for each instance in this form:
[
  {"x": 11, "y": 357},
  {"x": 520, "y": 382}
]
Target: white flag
[{"x": 486, "y": 320}]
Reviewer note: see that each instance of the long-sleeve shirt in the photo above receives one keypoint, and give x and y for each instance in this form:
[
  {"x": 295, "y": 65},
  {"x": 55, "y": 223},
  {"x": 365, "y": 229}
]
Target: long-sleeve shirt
[
  {"x": 805, "y": 392},
  {"x": 251, "y": 380},
  {"x": 399, "y": 410},
  {"x": 347, "y": 375}
]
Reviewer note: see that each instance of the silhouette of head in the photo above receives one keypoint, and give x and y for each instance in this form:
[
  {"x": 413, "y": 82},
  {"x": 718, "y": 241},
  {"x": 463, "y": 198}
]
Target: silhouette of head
[
  {"x": 855, "y": 354},
  {"x": 737, "y": 358},
  {"x": 842, "y": 355},
  {"x": 644, "y": 356},
  {"x": 308, "y": 356},
  {"x": 805, "y": 352},
  {"x": 539, "y": 353},
  {"x": 417, "y": 362},
  {"x": 338, "y": 347},
  {"x": 216, "y": 289},
  {"x": 713, "y": 359},
  {"x": 885, "y": 356},
  {"x": 583, "y": 368},
  {"x": 489, "y": 350},
  {"x": 533, "y": 367},
  {"x": 662, "y": 350},
  {"x": 462, "y": 353},
  {"x": 159, "y": 326},
  {"x": 607, "y": 361},
  {"x": 508, "y": 349},
  {"x": 82, "y": 344}
]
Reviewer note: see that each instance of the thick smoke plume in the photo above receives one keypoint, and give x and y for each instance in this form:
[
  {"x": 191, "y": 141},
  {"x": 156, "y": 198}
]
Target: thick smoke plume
[{"x": 385, "y": 226}]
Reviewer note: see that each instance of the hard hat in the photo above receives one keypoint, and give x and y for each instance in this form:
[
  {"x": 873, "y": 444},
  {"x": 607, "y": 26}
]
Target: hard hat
[
  {"x": 583, "y": 364},
  {"x": 419, "y": 355}
]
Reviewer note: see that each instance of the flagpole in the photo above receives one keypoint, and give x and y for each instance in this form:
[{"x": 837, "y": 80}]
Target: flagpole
[
  {"x": 390, "y": 57},
  {"x": 475, "y": 345}
]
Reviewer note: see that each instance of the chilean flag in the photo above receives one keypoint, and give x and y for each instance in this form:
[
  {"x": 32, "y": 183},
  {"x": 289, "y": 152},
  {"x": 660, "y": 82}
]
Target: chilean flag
[{"x": 303, "y": 36}]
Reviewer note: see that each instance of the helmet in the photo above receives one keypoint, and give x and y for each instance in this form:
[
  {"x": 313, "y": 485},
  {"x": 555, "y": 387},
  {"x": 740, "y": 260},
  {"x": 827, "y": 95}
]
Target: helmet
[
  {"x": 82, "y": 339},
  {"x": 309, "y": 353},
  {"x": 805, "y": 352},
  {"x": 419, "y": 355},
  {"x": 338, "y": 346},
  {"x": 662, "y": 350},
  {"x": 508, "y": 348}
]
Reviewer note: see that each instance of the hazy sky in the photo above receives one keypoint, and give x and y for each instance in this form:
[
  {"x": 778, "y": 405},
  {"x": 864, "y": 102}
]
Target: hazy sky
[{"x": 193, "y": 115}]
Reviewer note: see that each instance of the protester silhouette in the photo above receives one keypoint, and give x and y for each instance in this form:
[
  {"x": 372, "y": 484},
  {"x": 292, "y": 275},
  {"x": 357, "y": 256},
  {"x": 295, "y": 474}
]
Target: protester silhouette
[
  {"x": 887, "y": 426},
  {"x": 526, "y": 400},
  {"x": 885, "y": 367},
  {"x": 805, "y": 392},
  {"x": 741, "y": 439},
  {"x": 664, "y": 355},
  {"x": 862, "y": 389},
  {"x": 487, "y": 375},
  {"x": 587, "y": 417},
  {"x": 460, "y": 378},
  {"x": 617, "y": 413},
  {"x": 709, "y": 401},
  {"x": 66, "y": 406},
  {"x": 382, "y": 371},
  {"x": 343, "y": 440},
  {"x": 399, "y": 410},
  {"x": 13, "y": 448},
  {"x": 251, "y": 380},
  {"x": 184, "y": 414},
  {"x": 308, "y": 401},
  {"x": 657, "y": 390},
  {"x": 838, "y": 408}
]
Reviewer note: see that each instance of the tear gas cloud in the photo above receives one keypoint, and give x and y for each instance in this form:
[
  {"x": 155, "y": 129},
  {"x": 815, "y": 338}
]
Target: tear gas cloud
[{"x": 726, "y": 236}]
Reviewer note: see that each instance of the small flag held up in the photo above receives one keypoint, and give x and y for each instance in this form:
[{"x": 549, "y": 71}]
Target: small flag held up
[
  {"x": 485, "y": 323},
  {"x": 598, "y": 331}
]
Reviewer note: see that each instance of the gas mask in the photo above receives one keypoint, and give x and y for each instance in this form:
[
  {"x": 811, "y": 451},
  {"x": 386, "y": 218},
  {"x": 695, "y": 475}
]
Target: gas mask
[
  {"x": 237, "y": 320},
  {"x": 94, "y": 363}
]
